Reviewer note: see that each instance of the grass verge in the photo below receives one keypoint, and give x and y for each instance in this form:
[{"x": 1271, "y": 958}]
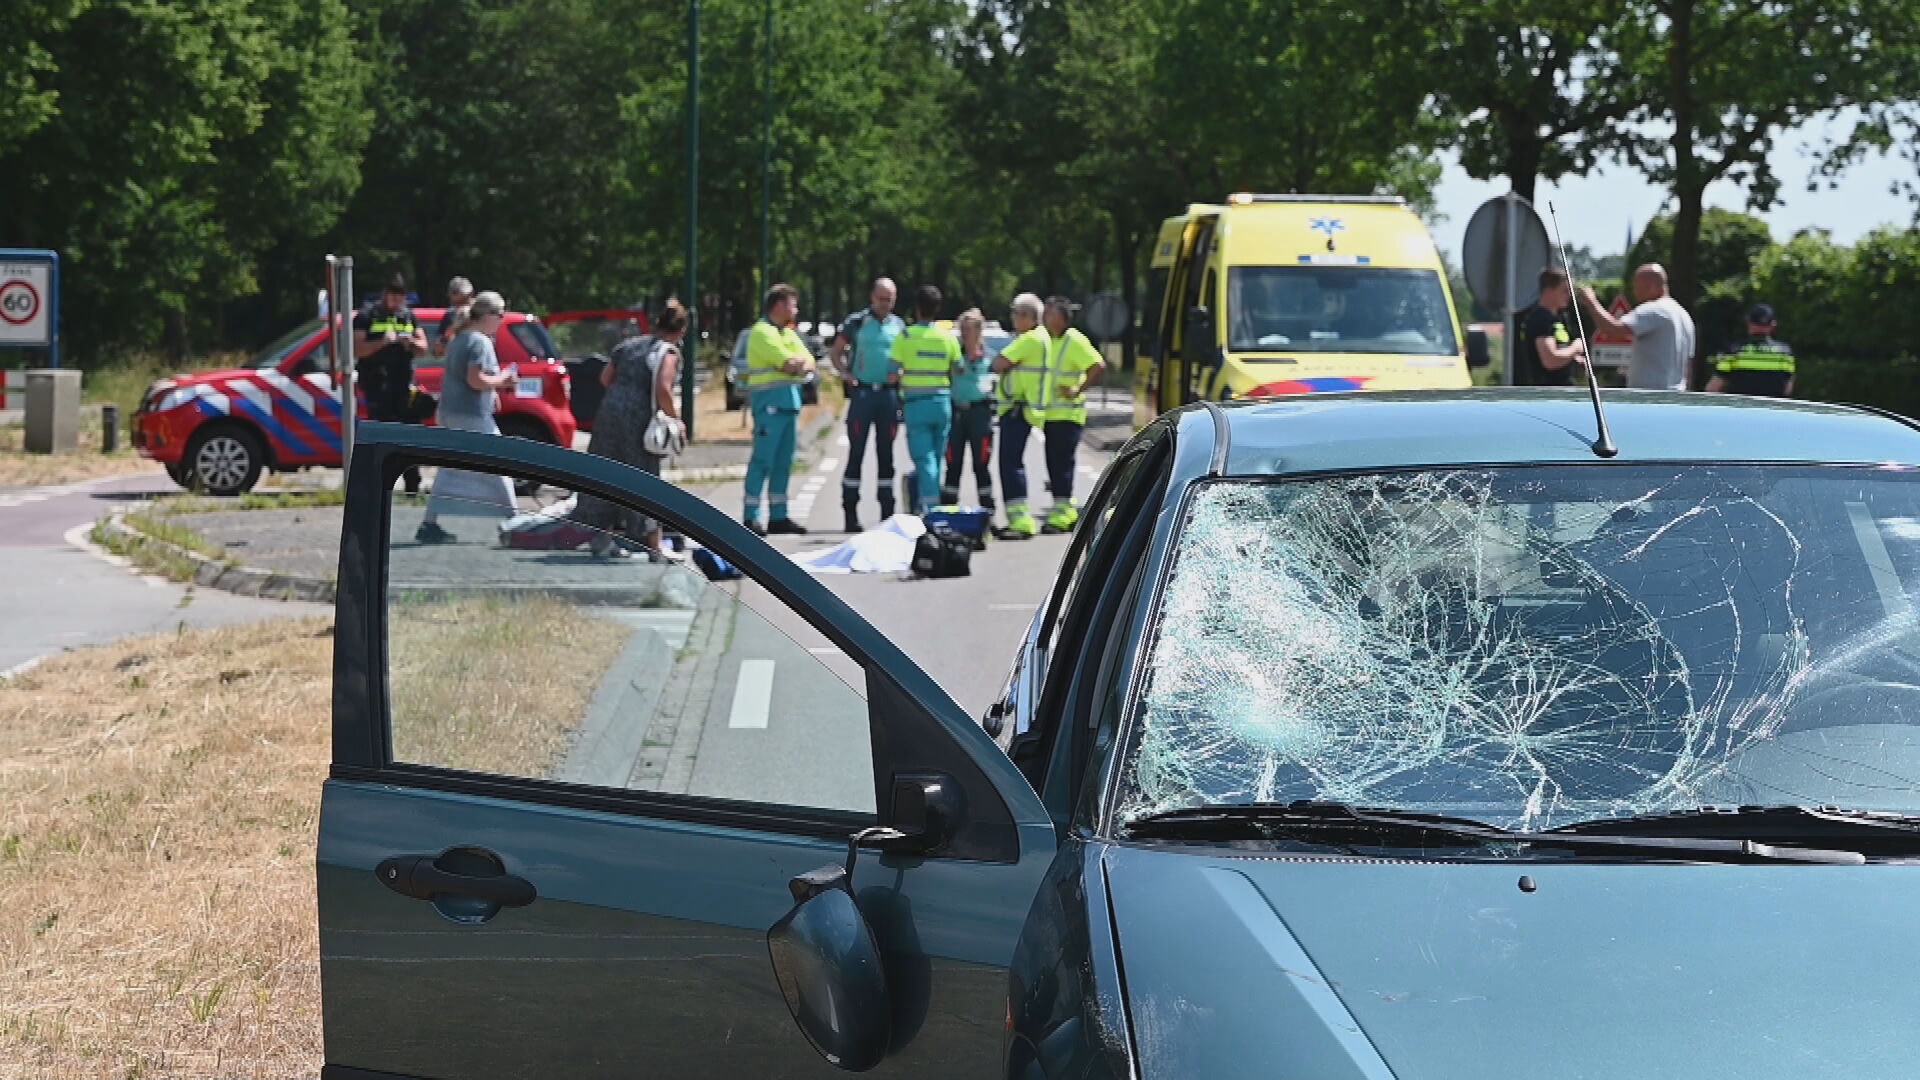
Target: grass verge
[
  {"x": 159, "y": 800},
  {"x": 157, "y": 550},
  {"x": 21, "y": 469},
  {"x": 494, "y": 684}
]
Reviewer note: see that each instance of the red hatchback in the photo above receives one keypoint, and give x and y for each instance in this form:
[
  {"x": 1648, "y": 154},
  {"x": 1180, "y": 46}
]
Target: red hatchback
[{"x": 217, "y": 431}]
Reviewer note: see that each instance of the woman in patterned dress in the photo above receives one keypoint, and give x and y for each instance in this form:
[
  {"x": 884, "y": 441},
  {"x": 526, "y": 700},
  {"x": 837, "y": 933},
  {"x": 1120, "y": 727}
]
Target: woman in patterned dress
[{"x": 639, "y": 377}]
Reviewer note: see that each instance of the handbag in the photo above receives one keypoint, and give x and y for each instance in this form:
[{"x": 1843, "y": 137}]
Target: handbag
[{"x": 665, "y": 436}]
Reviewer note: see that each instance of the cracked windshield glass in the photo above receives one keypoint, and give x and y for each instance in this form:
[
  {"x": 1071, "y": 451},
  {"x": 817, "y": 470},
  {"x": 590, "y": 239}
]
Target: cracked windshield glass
[{"x": 1533, "y": 647}]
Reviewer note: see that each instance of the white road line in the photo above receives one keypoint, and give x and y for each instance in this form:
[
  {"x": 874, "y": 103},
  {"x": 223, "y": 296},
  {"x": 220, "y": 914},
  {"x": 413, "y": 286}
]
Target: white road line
[
  {"x": 81, "y": 536},
  {"x": 827, "y": 465},
  {"x": 752, "y": 694},
  {"x": 826, "y": 650},
  {"x": 842, "y": 441}
]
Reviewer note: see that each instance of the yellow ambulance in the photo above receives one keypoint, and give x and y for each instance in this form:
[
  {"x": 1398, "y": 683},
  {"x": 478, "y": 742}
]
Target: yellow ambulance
[{"x": 1271, "y": 295}]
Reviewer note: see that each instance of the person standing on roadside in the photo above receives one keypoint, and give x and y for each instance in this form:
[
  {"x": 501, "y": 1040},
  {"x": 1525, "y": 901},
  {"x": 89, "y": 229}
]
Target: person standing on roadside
[
  {"x": 389, "y": 339},
  {"x": 971, "y": 434},
  {"x": 927, "y": 359},
  {"x": 863, "y": 356},
  {"x": 1662, "y": 331},
  {"x": 1548, "y": 349},
  {"x": 1060, "y": 410},
  {"x": 1763, "y": 367},
  {"x": 459, "y": 295},
  {"x": 777, "y": 361},
  {"x": 1020, "y": 366},
  {"x": 638, "y": 378},
  {"x": 467, "y": 400}
]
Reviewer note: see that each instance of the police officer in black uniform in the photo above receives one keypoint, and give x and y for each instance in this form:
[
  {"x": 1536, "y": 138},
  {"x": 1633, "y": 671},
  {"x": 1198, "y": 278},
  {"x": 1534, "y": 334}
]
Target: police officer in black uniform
[
  {"x": 1763, "y": 367},
  {"x": 1548, "y": 350},
  {"x": 389, "y": 339}
]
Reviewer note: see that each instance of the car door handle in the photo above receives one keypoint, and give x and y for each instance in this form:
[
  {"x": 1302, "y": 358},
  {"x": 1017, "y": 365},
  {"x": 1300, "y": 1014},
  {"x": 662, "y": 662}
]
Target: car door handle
[{"x": 416, "y": 876}]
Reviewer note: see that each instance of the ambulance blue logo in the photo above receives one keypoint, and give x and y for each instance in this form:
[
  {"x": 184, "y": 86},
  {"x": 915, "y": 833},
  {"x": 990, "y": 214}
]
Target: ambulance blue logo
[{"x": 1328, "y": 225}]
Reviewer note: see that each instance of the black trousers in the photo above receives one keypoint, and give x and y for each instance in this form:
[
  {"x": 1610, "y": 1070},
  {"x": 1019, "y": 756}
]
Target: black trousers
[{"x": 971, "y": 437}]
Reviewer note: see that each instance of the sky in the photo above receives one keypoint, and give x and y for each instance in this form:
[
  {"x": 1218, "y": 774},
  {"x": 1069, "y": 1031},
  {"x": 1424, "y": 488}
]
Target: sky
[{"x": 1597, "y": 209}]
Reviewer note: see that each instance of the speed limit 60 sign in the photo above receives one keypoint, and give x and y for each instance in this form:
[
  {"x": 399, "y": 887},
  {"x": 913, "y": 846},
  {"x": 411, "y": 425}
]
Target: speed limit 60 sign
[{"x": 28, "y": 282}]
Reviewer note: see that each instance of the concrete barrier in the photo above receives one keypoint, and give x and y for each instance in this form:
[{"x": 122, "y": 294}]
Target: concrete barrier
[{"x": 53, "y": 411}]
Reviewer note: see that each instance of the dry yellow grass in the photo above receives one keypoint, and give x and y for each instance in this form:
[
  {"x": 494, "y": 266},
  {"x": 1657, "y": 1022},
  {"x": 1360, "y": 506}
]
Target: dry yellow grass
[
  {"x": 158, "y": 806},
  {"x": 494, "y": 684},
  {"x": 158, "y": 800},
  {"x": 21, "y": 469}
]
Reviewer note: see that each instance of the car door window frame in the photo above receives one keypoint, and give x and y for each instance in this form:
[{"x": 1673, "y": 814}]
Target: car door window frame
[
  {"x": 1066, "y": 632},
  {"x": 914, "y": 726}
]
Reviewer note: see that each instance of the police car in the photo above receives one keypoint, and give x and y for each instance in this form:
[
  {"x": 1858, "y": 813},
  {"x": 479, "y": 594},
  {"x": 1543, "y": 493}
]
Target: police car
[{"x": 217, "y": 431}]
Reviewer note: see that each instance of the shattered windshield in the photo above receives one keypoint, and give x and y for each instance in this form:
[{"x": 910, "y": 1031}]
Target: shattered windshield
[{"x": 1537, "y": 646}]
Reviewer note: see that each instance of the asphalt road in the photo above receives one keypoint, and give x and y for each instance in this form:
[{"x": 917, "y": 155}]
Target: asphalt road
[{"x": 55, "y": 594}]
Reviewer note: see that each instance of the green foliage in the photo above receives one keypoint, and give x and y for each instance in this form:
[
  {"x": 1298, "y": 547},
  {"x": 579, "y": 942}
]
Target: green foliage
[{"x": 1849, "y": 316}]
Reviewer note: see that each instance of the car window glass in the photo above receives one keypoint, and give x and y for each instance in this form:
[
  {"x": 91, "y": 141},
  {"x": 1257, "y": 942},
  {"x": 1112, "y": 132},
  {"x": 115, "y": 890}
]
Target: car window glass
[
  {"x": 1092, "y": 524},
  {"x": 514, "y": 650}
]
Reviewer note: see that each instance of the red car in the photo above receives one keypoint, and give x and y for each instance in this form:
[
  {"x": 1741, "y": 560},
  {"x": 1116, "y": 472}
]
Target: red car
[{"x": 219, "y": 430}]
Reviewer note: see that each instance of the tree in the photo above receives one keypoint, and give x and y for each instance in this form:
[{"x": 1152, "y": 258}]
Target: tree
[
  {"x": 1728, "y": 76},
  {"x": 1522, "y": 78},
  {"x": 181, "y": 138}
]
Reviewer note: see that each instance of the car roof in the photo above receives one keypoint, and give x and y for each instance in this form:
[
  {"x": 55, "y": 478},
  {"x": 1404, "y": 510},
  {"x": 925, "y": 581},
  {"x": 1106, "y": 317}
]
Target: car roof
[{"x": 1381, "y": 430}]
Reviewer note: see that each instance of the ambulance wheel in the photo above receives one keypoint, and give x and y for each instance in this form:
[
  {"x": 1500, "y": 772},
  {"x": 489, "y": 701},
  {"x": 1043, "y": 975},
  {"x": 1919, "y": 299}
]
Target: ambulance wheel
[{"x": 225, "y": 459}]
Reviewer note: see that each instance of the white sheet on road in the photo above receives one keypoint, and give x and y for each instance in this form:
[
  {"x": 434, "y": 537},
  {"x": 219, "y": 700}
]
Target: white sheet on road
[{"x": 887, "y": 548}]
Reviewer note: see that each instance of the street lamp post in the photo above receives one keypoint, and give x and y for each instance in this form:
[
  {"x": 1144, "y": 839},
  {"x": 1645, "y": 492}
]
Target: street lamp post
[
  {"x": 766, "y": 157},
  {"x": 693, "y": 214}
]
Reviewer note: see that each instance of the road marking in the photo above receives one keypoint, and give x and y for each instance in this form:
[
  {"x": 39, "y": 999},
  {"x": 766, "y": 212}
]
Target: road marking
[
  {"x": 842, "y": 441},
  {"x": 827, "y": 465},
  {"x": 752, "y": 694},
  {"x": 826, "y": 650},
  {"x": 42, "y": 494},
  {"x": 21, "y": 668},
  {"x": 1011, "y": 607},
  {"x": 81, "y": 536}
]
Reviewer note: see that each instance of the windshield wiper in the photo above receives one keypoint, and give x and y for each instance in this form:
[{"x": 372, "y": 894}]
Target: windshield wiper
[
  {"x": 1331, "y": 821},
  {"x": 1874, "y": 832}
]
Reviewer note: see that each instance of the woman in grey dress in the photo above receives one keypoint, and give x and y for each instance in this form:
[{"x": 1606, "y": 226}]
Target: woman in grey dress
[
  {"x": 473, "y": 376},
  {"x": 639, "y": 378}
]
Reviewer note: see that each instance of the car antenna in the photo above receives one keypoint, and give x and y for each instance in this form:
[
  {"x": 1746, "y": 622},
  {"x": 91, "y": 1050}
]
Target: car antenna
[{"x": 1603, "y": 445}]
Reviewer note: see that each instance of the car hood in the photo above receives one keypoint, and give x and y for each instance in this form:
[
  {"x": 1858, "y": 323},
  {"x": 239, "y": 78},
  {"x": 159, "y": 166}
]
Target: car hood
[{"x": 1406, "y": 971}]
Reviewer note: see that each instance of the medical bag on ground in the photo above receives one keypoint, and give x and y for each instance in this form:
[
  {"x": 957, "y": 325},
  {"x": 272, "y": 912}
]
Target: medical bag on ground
[
  {"x": 941, "y": 552},
  {"x": 969, "y": 521}
]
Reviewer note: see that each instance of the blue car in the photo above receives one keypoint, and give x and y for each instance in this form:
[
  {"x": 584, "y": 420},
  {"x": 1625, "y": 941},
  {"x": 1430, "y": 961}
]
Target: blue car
[{"x": 1370, "y": 736}]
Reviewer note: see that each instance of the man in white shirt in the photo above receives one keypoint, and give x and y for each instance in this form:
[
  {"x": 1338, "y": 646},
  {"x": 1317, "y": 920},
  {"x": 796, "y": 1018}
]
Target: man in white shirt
[{"x": 1662, "y": 331}]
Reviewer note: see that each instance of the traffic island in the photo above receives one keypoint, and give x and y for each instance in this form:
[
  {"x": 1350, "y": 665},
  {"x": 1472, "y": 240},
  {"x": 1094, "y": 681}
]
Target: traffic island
[{"x": 293, "y": 554}]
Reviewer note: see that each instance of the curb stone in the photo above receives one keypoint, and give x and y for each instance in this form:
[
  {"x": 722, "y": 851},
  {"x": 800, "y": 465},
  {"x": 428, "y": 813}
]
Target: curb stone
[{"x": 229, "y": 577}]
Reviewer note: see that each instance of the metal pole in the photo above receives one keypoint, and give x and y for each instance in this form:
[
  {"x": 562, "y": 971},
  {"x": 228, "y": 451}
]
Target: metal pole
[
  {"x": 766, "y": 158},
  {"x": 340, "y": 286},
  {"x": 1513, "y": 284},
  {"x": 693, "y": 214}
]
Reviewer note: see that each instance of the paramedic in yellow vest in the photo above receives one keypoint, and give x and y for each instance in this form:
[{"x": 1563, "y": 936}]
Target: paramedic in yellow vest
[
  {"x": 927, "y": 358},
  {"x": 1059, "y": 408},
  {"x": 777, "y": 362},
  {"x": 1018, "y": 366}
]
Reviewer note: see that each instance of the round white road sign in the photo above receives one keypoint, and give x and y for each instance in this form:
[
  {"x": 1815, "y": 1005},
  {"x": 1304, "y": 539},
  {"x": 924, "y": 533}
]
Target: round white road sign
[{"x": 24, "y": 291}]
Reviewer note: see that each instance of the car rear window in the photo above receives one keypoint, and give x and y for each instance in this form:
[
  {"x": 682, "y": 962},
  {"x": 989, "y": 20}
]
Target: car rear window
[
  {"x": 533, "y": 337},
  {"x": 1536, "y": 646}
]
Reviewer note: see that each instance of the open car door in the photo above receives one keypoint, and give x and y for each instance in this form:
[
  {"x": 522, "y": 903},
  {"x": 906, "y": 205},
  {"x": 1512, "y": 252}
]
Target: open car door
[{"x": 571, "y": 795}]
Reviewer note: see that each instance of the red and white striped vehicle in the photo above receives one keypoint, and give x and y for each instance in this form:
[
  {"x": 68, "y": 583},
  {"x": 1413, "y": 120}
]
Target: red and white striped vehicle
[{"x": 217, "y": 431}]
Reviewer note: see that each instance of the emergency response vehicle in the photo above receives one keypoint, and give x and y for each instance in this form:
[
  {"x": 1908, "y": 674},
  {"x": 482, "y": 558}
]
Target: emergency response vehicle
[
  {"x": 1272, "y": 295},
  {"x": 217, "y": 431}
]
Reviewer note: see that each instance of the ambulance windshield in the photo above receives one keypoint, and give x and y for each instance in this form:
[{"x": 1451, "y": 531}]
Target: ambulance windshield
[{"x": 1338, "y": 309}]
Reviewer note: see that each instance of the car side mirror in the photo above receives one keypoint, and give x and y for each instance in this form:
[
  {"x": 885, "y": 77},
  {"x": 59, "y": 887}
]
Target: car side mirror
[
  {"x": 827, "y": 963},
  {"x": 1478, "y": 354}
]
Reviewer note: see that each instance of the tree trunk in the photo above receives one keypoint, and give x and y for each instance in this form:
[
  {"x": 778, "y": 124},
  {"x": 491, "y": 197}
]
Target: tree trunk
[
  {"x": 1524, "y": 151},
  {"x": 1684, "y": 275},
  {"x": 174, "y": 335}
]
